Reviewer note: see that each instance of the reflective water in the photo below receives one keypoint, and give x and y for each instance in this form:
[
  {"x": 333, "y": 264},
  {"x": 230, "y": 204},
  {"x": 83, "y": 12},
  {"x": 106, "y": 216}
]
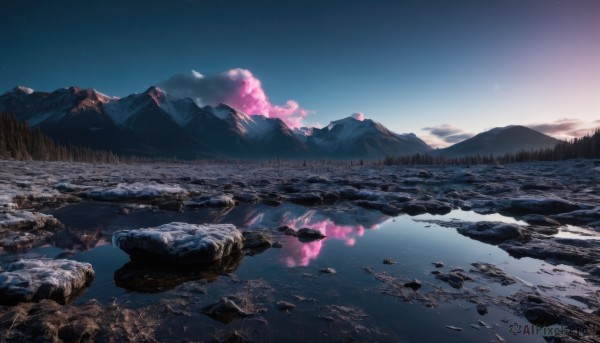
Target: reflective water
[{"x": 349, "y": 305}]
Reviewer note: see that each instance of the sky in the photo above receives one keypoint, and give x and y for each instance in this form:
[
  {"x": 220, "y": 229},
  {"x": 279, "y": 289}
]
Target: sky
[{"x": 442, "y": 69}]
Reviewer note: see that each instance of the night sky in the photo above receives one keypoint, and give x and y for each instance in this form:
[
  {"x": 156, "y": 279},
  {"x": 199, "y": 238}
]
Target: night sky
[{"x": 441, "y": 69}]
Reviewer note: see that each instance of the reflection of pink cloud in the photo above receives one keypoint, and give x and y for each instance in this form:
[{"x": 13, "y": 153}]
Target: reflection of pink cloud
[
  {"x": 302, "y": 253},
  {"x": 238, "y": 88}
]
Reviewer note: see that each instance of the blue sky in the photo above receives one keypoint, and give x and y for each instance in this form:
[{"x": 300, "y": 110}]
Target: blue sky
[{"x": 468, "y": 65}]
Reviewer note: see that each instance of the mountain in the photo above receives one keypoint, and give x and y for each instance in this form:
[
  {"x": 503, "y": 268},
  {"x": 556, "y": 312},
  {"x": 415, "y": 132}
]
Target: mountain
[
  {"x": 153, "y": 123},
  {"x": 499, "y": 141},
  {"x": 350, "y": 137}
]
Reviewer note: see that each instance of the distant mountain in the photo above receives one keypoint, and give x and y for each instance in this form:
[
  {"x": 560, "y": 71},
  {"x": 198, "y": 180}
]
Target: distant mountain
[
  {"x": 499, "y": 141},
  {"x": 153, "y": 123},
  {"x": 350, "y": 137}
]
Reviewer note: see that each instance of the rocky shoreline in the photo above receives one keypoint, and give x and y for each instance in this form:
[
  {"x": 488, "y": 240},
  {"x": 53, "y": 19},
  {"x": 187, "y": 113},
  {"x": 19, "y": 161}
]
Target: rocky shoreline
[{"x": 541, "y": 196}]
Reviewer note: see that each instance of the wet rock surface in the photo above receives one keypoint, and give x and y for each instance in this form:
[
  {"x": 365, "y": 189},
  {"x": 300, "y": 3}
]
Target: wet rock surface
[{"x": 492, "y": 232}]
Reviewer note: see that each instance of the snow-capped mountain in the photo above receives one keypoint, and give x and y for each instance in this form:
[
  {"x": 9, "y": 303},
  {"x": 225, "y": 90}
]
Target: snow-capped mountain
[
  {"x": 154, "y": 123},
  {"x": 501, "y": 140},
  {"x": 350, "y": 137}
]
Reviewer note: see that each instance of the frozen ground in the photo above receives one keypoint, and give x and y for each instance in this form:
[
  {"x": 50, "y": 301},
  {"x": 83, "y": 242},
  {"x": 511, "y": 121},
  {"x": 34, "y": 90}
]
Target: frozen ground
[{"x": 555, "y": 206}]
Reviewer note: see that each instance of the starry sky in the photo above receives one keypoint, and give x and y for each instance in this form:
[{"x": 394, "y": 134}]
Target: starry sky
[{"x": 441, "y": 69}]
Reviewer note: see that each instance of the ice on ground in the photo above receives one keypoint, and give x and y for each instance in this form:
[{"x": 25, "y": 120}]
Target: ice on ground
[
  {"x": 136, "y": 190},
  {"x": 181, "y": 242},
  {"x": 35, "y": 279}
]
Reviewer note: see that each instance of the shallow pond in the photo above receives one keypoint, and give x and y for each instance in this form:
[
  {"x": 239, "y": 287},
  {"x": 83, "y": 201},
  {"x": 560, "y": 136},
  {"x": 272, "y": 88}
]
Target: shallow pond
[{"x": 354, "y": 304}]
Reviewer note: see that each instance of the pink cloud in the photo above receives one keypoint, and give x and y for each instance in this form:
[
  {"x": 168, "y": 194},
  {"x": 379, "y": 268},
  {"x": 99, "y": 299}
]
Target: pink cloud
[
  {"x": 359, "y": 116},
  {"x": 238, "y": 88}
]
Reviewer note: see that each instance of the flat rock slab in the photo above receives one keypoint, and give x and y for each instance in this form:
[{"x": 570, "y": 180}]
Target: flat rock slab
[
  {"x": 492, "y": 232},
  {"x": 29, "y": 280},
  {"x": 180, "y": 243},
  {"x": 25, "y": 220},
  {"x": 136, "y": 191}
]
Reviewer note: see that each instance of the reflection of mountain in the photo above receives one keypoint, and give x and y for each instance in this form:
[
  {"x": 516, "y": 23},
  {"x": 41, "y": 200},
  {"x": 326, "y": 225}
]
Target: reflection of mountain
[
  {"x": 78, "y": 239},
  {"x": 156, "y": 278}
]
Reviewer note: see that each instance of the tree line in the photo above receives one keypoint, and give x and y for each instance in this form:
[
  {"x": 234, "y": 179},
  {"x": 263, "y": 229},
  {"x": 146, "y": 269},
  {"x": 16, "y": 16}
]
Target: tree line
[
  {"x": 19, "y": 142},
  {"x": 584, "y": 147}
]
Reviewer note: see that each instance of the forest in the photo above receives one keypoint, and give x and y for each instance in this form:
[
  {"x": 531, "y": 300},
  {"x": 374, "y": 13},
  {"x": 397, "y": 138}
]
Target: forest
[{"x": 19, "y": 142}]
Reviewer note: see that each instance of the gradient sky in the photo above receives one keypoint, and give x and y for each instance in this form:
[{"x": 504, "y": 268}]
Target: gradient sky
[{"x": 455, "y": 67}]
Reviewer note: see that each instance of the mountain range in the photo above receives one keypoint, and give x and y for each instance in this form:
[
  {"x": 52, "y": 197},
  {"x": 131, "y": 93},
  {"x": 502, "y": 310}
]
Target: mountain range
[{"x": 153, "y": 123}]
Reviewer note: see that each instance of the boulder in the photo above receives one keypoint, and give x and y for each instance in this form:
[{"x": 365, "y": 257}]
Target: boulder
[
  {"x": 181, "y": 243},
  {"x": 29, "y": 280}
]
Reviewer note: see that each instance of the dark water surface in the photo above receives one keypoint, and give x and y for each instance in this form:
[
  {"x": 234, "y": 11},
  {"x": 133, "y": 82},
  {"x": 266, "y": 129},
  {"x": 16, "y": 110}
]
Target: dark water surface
[{"x": 346, "y": 306}]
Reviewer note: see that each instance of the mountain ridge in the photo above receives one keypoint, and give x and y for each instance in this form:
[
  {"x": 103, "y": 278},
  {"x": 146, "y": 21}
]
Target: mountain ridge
[{"x": 156, "y": 124}]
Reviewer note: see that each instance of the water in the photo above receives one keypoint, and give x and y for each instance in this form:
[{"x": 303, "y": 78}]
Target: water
[{"x": 356, "y": 238}]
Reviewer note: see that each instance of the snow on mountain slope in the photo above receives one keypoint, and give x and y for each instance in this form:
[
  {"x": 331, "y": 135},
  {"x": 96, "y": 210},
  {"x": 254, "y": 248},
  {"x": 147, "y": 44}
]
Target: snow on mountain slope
[{"x": 154, "y": 123}]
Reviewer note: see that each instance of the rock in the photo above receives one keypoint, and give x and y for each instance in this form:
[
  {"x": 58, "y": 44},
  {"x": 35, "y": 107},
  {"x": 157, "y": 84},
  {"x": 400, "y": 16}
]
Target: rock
[
  {"x": 271, "y": 201},
  {"x": 180, "y": 242},
  {"x": 288, "y": 231},
  {"x": 413, "y": 208},
  {"x": 327, "y": 271},
  {"x": 455, "y": 279},
  {"x": 540, "y": 220},
  {"x": 437, "y": 207},
  {"x": 388, "y": 261},
  {"x": 453, "y": 328},
  {"x": 481, "y": 309},
  {"x": 309, "y": 199},
  {"x": 379, "y": 205},
  {"x": 285, "y": 306},
  {"x": 227, "y": 309},
  {"x": 309, "y": 234},
  {"x": 172, "y": 205},
  {"x": 543, "y": 206},
  {"x": 28, "y": 280},
  {"x": 414, "y": 284},
  {"x": 573, "y": 251},
  {"x": 23, "y": 240},
  {"x": 12, "y": 220},
  {"x": 438, "y": 264},
  {"x": 492, "y": 272},
  {"x": 211, "y": 201},
  {"x": 579, "y": 216},
  {"x": 317, "y": 179},
  {"x": 535, "y": 186},
  {"x": 492, "y": 232},
  {"x": 248, "y": 198},
  {"x": 258, "y": 241},
  {"x": 140, "y": 191}
]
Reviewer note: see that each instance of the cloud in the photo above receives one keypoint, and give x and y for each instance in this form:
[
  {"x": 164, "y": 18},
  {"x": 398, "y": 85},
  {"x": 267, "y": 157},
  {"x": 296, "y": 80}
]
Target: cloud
[
  {"x": 443, "y": 135},
  {"x": 238, "y": 88},
  {"x": 566, "y": 129},
  {"x": 558, "y": 127},
  {"x": 358, "y": 116}
]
